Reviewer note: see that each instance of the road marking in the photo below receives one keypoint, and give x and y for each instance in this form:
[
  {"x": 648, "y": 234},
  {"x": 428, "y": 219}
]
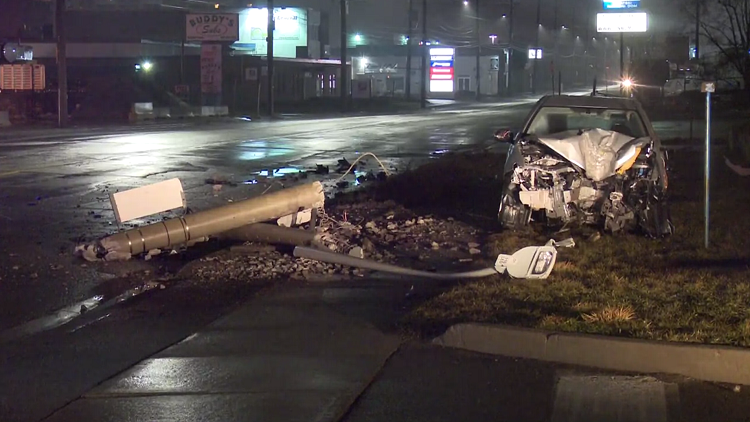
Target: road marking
[{"x": 10, "y": 173}]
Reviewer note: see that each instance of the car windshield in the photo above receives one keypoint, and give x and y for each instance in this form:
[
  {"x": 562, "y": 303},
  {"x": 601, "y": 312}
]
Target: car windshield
[{"x": 556, "y": 120}]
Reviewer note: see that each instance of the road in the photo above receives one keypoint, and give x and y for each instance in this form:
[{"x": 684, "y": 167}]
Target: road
[{"x": 54, "y": 188}]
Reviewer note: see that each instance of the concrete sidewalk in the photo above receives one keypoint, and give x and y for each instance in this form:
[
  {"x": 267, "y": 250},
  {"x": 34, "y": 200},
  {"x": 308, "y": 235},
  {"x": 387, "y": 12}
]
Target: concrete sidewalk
[
  {"x": 282, "y": 358},
  {"x": 318, "y": 353}
]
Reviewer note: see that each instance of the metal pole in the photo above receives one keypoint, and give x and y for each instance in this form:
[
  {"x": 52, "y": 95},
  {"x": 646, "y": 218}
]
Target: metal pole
[
  {"x": 622, "y": 56},
  {"x": 509, "y": 54},
  {"x": 424, "y": 54},
  {"x": 479, "y": 51},
  {"x": 269, "y": 57},
  {"x": 62, "y": 65},
  {"x": 538, "y": 30},
  {"x": 697, "y": 29},
  {"x": 409, "y": 36},
  {"x": 708, "y": 167},
  {"x": 344, "y": 77}
]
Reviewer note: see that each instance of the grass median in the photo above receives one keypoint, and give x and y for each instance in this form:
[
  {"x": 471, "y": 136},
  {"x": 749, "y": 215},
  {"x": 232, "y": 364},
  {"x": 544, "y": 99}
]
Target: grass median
[{"x": 626, "y": 285}]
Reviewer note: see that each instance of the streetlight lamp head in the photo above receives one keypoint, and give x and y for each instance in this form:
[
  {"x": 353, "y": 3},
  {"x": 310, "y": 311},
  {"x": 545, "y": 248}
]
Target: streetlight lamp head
[
  {"x": 466, "y": 2},
  {"x": 357, "y": 37}
]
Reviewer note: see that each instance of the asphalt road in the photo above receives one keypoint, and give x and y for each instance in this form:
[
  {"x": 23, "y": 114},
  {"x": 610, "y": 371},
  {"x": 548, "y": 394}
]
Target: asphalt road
[{"x": 54, "y": 188}]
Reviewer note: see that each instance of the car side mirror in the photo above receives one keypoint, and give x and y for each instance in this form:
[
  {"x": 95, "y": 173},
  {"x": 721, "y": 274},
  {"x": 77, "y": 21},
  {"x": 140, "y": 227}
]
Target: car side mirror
[{"x": 504, "y": 135}]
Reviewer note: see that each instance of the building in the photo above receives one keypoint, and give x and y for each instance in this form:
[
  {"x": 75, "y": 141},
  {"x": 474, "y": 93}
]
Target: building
[{"x": 140, "y": 53}]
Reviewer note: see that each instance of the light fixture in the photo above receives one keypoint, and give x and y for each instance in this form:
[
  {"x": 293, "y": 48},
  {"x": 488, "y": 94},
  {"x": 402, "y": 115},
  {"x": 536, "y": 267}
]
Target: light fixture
[
  {"x": 147, "y": 66},
  {"x": 216, "y": 6},
  {"x": 357, "y": 37},
  {"x": 466, "y": 2}
]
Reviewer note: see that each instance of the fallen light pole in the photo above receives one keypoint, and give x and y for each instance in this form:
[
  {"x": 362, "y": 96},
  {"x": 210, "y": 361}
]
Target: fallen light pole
[
  {"x": 533, "y": 262},
  {"x": 272, "y": 234},
  {"x": 198, "y": 227}
]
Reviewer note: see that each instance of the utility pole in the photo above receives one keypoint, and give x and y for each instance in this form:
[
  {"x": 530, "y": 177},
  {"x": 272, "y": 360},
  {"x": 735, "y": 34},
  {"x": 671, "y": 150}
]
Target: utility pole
[
  {"x": 62, "y": 64},
  {"x": 269, "y": 57},
  {"x": 344, "y": 77},
  {"x": 424, "y": 53},
  {"x": 536, "y": 46},
  {"x": 697, "y": 29},
  {"x": 557, "y": 31},
  {"x": 409, "y": 34},
  {"x": 622, "y": 57},
  {"x": 479, "y": 52},
  {"x": 509, "y": 54}
]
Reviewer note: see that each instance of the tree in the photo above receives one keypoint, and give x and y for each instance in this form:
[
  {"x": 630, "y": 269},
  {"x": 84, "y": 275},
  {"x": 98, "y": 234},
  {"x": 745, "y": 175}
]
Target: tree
[{"x": 725, "y": 24}]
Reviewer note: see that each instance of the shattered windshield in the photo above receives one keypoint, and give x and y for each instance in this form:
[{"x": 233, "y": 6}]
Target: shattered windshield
[{"x": 555, "y": 120}]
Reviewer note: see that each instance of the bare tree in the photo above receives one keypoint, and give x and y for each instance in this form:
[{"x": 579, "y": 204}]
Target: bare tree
[{"x": 725, "y": 24}]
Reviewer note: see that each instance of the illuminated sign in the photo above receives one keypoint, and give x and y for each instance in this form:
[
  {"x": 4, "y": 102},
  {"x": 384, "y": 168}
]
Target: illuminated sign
[
  {"x": 535, "y": 53},
  {"x": 290, "y": 32},
  {"x": 441, "y": 69},
  {"x": 621, "y": 4},
  {"x": 622, "y": 22}
]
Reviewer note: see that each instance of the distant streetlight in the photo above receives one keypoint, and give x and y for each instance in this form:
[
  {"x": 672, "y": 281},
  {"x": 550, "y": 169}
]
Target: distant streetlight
[
  {"x": 466, "y": 3},
  {"x": 216, "y": 6},
  {"x": 357, "y": 37}
]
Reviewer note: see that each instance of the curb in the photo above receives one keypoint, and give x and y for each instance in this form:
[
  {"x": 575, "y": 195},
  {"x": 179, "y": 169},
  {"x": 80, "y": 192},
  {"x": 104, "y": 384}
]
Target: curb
[{"x": 722, "y": 364}]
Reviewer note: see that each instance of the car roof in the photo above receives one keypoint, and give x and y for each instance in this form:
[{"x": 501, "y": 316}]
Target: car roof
[{"x": 588, "y": 101}]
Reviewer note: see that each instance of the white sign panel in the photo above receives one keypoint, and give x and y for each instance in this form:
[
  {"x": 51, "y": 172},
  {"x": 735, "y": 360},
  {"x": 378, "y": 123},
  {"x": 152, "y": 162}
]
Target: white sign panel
[
  {"x": 621, "y": 22},
  {"x": 290, "y": 31},
  {"x": 212, "y": 27},
  {"x": 535, "y": 53}
]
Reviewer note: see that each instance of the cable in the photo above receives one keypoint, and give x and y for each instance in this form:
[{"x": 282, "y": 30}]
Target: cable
[{"x": 387, "y": 173}]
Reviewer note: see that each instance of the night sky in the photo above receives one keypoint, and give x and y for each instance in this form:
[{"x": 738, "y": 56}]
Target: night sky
[{"x": 382, "y": 21}]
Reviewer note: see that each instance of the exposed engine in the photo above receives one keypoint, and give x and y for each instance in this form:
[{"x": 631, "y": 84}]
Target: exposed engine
[{"x": 608, "y": 181}]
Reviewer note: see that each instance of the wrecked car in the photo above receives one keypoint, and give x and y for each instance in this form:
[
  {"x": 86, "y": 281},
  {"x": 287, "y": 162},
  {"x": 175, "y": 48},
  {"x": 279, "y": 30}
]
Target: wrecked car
[{"x": 587, "y": 159}]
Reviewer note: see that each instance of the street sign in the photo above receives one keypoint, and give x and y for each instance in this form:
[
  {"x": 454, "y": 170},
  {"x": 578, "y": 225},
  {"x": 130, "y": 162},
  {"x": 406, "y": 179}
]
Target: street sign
[{"x": 708, "y": 87}]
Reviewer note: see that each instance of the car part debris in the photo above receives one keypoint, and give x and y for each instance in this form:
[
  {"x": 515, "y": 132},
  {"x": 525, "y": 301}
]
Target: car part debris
[
  {"x": 533, "y": 262},
  {"x": 269, "y": 233},
  {"x": 199, "y": 226},
  {"x": 296, "y": 219},
  {"x": 148, "y": 200}
]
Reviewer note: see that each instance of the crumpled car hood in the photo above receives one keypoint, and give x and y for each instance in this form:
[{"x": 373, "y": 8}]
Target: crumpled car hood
[{"x": 595, "y": 150}]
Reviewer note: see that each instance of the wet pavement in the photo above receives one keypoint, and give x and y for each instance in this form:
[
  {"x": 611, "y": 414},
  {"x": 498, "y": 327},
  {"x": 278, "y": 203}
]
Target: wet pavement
[
  {"x": 63, "y": 330},
  {"x": 54, "y": 191},
  {"x": 326, "y": 353}
]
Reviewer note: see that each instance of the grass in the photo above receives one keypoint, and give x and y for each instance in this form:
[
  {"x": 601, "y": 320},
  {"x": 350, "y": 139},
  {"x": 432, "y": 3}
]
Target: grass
[{"x": 625, "y": 285}]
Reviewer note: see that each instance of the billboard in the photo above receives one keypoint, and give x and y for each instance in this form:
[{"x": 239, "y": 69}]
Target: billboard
[
  {"x": 622, "y": 22},
  {"x": 441, "y": 69},
  {"x": 290, "y": 32},
  {"x": 212, "y": 27},
  {"x": 621, "y": 4}
]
